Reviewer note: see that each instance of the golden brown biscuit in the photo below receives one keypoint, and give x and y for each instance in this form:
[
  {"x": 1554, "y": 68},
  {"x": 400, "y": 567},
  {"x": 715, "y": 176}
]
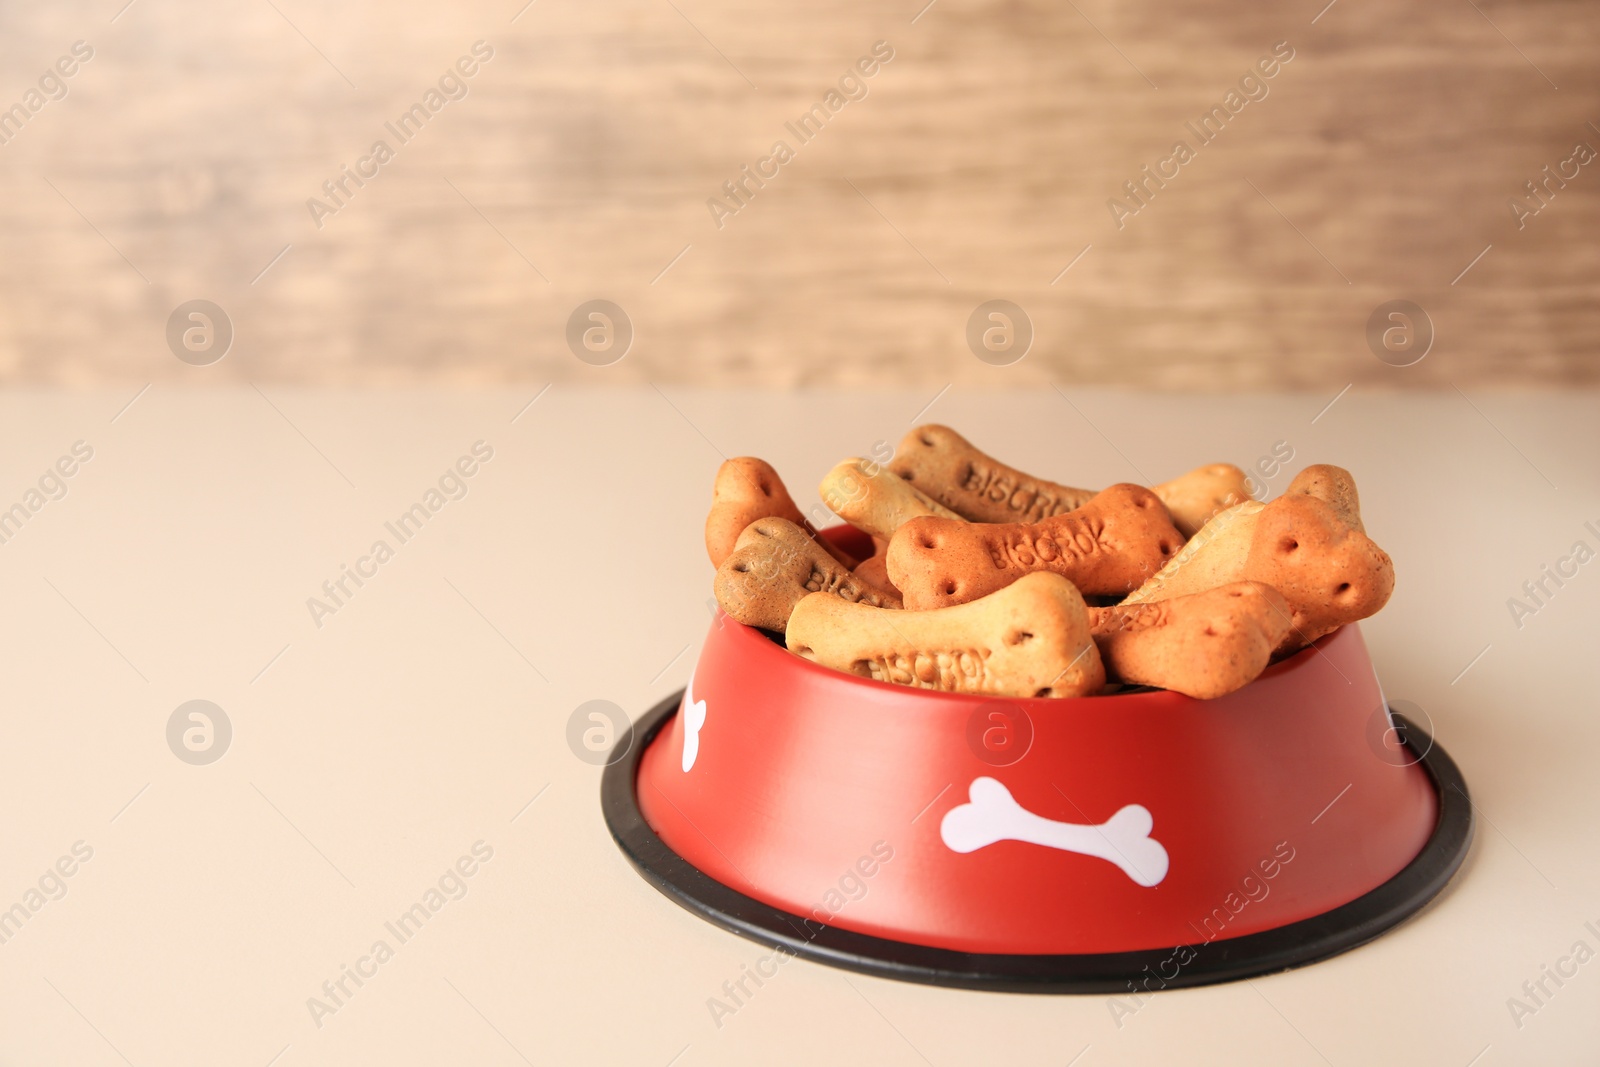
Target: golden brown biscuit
[
  {"x": 1109, "y": 546},
  {"x": 873, "y": 499},
  {"x": 1202, "y": 645},
  {"x": 1213, "y": 556},
  {"x": 1192, "y": 499},
  {"x": 1029, "y": 639},
  {"x": 773, "y": 565},
  {"x": 748, "y": 489},
  {"x": 1335, "y": 485},
  {"x": 1329, "y": 572},
  {"x": 951, "y": 470},
  {"x": 874, "y": 571}
]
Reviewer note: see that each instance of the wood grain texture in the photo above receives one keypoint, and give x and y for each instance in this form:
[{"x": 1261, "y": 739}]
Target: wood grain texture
[{"x": 977, "y": 167}]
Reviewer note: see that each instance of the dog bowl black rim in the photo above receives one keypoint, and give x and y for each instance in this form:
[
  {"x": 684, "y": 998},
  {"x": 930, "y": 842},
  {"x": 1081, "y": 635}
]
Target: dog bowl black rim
[{"x": 1145, "y": 970}]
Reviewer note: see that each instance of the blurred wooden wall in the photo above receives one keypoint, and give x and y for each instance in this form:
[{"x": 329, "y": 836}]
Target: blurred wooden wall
[{"x": 978, "y": 166}]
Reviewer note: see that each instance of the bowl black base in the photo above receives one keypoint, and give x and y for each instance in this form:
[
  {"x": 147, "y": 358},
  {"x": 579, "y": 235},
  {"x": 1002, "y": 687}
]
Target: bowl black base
[{"x": 1146, "y": 970}]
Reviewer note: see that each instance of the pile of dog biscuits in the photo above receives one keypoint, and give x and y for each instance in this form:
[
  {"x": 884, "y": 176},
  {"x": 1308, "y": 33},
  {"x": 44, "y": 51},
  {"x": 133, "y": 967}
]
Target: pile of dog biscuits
[{"x": 990, "y": 581}]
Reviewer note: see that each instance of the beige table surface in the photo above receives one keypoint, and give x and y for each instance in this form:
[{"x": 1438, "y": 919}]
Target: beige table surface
[{"x": 425, "y": 715}]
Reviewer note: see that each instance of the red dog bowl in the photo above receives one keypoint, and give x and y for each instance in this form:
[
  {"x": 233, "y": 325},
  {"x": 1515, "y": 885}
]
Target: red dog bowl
[{"x": 1100, "y": 844}]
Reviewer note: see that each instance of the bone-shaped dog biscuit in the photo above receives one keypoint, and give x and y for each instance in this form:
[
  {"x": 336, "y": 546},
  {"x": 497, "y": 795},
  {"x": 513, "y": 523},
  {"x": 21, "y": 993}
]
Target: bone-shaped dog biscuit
[
  {"x": 1329, "y": 572},
  {"x": 1333, "y": 485},
  {"x": 747, "y": 489},
  {"x": 950, "y": 469},
  {"x": 774, "y": 565},
  {"x": 872, "y": 498},
  {"x": 1029, "y": 639},
  {"x": 1109, "y": 546},
  {"x": 1195, "y": 497},
  {"x": 1202, "y": 645}
]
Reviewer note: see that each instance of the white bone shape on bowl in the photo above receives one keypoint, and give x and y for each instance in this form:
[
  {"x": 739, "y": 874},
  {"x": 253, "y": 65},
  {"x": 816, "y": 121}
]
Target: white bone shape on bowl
[
  {"x": 994, "y": 815},
  {"x": 694, "y": 717}
]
